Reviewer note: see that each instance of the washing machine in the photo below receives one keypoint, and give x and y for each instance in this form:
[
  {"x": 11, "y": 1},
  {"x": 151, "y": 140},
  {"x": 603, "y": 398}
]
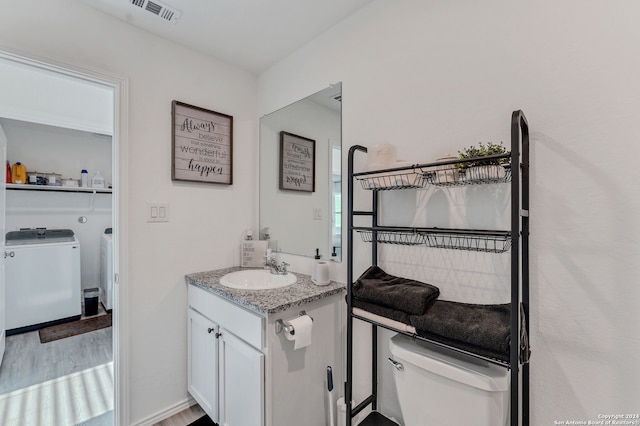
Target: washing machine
[
  {"x": 106, "y": 270},
  {"x": 42, "y": 279}
]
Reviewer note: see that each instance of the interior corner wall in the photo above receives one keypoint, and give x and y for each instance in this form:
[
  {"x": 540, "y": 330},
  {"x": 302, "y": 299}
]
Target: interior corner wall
[
  {"x": 435, "y": 77},
  {"x": 203, "y": 218}
]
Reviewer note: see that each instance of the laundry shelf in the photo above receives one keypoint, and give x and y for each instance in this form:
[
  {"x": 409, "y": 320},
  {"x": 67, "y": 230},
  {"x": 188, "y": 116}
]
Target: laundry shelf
[{"x": 47, "y": 188}]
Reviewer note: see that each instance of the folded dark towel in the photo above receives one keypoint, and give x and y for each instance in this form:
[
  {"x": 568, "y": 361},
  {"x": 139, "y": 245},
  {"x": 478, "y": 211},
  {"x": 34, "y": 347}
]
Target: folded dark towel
[
  {"x": 383, "y": 311},
  {"x": 403, "y": 294},
  {"x": 482, "y": 326},
  {"x": 477, "y": 350}
]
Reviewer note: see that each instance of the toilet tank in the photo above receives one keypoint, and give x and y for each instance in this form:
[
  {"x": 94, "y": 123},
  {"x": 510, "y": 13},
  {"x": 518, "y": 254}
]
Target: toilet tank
[{"x": 440, "y": 387}]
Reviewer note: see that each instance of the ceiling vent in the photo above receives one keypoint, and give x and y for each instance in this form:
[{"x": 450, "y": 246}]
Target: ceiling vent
[{"x": 159, "y": 9}]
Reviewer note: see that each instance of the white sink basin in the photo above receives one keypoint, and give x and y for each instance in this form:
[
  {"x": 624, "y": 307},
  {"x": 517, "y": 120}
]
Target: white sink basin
[{"x": 257, "y": 279}]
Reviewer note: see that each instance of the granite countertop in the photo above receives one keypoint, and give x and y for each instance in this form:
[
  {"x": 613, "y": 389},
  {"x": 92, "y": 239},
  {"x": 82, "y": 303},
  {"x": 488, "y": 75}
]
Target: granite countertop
[{"x": 264, "y": 302}]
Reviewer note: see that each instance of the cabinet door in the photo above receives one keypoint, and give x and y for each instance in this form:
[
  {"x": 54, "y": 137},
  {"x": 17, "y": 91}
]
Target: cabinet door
[
  {"x": 241, "y": 382},
  {"x": 202, "y": 375}
]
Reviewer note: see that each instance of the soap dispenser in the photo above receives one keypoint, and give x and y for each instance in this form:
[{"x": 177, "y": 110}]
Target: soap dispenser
[{"x": 314, "y": 267}]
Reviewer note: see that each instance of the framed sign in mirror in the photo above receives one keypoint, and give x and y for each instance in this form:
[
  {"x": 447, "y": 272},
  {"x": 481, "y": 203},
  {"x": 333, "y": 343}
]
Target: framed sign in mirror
[
  {"x": 202, "y": 145},
  {"x": 297, "y": 163}
]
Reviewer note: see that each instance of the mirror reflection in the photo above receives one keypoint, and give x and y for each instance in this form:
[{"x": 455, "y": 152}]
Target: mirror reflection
[{"x": 301, "y": 221}]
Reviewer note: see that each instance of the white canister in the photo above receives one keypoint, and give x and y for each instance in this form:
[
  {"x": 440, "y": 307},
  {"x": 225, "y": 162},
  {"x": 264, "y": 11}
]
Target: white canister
[
  {"x": 321, "y": 274},
  {"x": 97, "y": 181}
]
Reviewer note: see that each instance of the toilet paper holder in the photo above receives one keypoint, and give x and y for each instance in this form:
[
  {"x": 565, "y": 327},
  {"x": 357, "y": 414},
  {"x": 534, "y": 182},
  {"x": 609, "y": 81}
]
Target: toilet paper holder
[{"x": 288, "y": 329}]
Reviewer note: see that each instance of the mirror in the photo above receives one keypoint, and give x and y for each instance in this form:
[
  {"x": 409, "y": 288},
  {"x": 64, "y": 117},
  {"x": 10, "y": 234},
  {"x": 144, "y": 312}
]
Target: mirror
[{"x": 299, "y": 220}]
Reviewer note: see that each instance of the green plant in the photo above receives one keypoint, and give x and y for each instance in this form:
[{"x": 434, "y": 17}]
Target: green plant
[{"x": 481, "y": 150}]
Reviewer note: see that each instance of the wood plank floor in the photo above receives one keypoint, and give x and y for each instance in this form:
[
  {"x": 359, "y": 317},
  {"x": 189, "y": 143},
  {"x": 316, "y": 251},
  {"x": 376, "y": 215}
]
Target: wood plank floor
[
  {"x": 64, "y": 382},
  {"x": 184, "y": 417}
]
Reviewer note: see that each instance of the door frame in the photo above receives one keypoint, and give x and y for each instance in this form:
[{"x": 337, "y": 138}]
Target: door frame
[{"x": 120, "y": 162}]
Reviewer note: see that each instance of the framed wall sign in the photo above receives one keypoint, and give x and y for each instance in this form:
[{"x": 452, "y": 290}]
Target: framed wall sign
[
  {"x": 297, "y": 163},
  {"x": 202, "y": 144}
]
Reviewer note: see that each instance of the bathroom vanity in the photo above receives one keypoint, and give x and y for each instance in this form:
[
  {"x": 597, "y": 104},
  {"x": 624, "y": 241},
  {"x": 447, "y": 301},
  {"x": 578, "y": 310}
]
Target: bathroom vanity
[{"x": 242, "y": 370}]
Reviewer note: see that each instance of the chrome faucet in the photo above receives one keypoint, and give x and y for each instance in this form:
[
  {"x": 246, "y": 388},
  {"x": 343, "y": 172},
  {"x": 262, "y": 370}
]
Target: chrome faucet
[
  {"x": 278, "y": 269},
  {"x": 272, "y": 264}
]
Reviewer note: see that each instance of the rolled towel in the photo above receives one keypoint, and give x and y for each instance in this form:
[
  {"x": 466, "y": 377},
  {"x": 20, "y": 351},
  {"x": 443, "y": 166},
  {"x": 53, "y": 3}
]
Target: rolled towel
[
  {"x": 484, "y": 326},
  {"x": 381, "y": 156},
  {"x": 402, "y": 294}
]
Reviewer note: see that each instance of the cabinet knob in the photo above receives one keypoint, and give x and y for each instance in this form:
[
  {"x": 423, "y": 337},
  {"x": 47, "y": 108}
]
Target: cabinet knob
[
  {"x": 210, "y": 330},
  {"x": 9, "y": 254},
  {"x": 218, "y": 335}
]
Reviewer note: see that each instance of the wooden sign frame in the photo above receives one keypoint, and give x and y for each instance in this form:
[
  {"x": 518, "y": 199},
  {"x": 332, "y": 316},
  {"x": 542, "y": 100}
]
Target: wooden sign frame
[
  {"x": 202, "y": 145},
  {"x": 297, "y": 163}
]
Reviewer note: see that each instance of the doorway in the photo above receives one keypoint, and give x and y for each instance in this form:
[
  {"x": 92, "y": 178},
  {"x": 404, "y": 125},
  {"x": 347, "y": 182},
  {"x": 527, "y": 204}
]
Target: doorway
[{"x": 87, "y": 384}]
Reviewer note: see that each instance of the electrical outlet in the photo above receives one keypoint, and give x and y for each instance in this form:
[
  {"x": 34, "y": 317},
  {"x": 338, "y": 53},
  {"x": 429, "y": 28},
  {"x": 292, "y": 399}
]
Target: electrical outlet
[{"x": 157, "y": 212}]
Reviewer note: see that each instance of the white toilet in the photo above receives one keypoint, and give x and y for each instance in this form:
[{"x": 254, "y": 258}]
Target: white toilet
[{"x": 438, "y": 387}]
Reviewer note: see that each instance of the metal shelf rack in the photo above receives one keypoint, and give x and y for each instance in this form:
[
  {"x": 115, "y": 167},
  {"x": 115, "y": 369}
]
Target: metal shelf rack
[{"x": 511, "y": 168}]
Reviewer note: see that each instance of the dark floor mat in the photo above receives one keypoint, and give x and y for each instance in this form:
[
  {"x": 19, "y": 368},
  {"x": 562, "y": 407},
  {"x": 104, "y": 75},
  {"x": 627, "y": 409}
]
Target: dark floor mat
[
  {"x": 60, "y": 331},
  {"x": 203, "y": 421}
]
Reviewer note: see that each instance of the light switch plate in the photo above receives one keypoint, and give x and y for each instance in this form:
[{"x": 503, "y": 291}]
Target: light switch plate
[{"x": 157, "y": 212}]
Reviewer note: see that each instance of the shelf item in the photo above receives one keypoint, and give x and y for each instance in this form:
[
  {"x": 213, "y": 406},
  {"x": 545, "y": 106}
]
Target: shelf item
[
  {"x": 52, "y": 188},
  {"x": 510, "y": 168}
]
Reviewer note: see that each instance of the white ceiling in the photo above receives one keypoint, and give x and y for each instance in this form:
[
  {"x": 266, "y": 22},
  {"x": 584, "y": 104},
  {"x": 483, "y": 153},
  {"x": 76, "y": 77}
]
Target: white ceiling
[{"x": 250, "y": 34}]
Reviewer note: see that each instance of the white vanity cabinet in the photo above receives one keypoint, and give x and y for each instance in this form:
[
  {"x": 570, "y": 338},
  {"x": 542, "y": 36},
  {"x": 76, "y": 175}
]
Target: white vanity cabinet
[
  {"x": 251, "y": 374},
  {"x": 203, "y": 362},
  {"x": 225, "y": 372}
]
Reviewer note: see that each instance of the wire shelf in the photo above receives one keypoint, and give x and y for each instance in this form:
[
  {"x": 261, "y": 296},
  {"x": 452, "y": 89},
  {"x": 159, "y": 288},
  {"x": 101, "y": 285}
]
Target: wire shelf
[
  {"x": 448, "y": 175},
  {"x": 403, "y": 238},
  {"x": 453, "y": 176},
  {"x": 407, "y": 179},
  {"x": 482, "y": 243}
]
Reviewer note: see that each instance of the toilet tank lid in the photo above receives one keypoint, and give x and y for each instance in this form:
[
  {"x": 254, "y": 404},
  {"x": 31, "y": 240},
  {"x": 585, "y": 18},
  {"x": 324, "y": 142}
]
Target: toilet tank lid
[{"x": 450, "y": 364}]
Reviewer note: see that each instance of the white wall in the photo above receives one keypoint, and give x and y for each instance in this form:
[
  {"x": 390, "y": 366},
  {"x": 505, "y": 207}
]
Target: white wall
[
  {"x": 203, "y": 217},
  {"x": 434, "y": 77}
]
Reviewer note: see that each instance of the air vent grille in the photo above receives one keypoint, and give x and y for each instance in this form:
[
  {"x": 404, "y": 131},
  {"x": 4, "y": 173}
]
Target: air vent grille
[
  {"x": 159, "y": 9},
  {"x": 153, "y": 8}
]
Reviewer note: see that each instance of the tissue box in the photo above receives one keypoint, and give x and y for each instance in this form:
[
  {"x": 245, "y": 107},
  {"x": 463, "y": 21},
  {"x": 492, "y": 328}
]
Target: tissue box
[{"x": 252, "y": 253}]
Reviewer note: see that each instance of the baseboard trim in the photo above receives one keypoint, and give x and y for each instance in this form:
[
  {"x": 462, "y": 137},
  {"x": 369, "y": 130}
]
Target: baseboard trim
[{"x": 166, "y": 413}]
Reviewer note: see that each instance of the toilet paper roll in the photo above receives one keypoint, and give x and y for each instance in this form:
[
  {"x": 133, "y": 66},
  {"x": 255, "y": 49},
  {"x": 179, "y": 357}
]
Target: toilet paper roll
[
  {"x": 322, "y": 274},
  {"x": 302, "y": 327},
  {"x": 381, "y": 156}
]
